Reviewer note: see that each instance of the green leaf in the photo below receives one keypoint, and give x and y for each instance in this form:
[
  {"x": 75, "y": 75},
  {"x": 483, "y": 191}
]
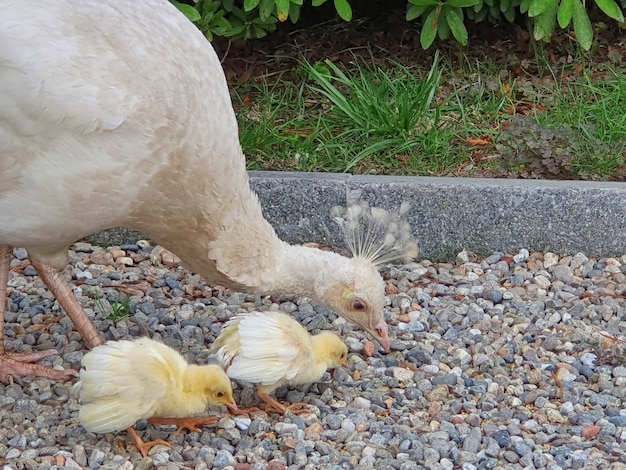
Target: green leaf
[
  {"x": 190, "y": 12},
  {"x": 250, "y": 4},
  {"x": 415, "y": 11},
  {"x": 343, "y": 9},
  {"x": 282, "y": 9},
  {"x": 462, "y": 3},
  {"x": 565, "y": 12},
  {"x": 297, "y": 2},
  {"x": 504, "y": 5},
  {"x": 610, "y": 8},
  {"x": 294, "y": 12},
  {"x": 537, "y": 7},
  {"x": 443, "y": 29},
  {"x": 317, "y": 3},
  {"x": 424, "y": 3},
  {"x": 455, "y": 22},
  {"x": 545, "y": 23},
  {"x": 510, "y": 14},
  {"x": 429, "y": 29},
  {"x": 266, "y": 8},
  {"x": 524, "y": 6},
  {"x": 227, "y": 4},
  {"x": 582, "y": 26}
]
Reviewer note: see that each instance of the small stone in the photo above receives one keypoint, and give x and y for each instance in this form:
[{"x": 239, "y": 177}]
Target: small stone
[
  {"x": 590, "y": 432},
  {"x": 550, "y": 259},
  {"x": 223, "y": 458}
]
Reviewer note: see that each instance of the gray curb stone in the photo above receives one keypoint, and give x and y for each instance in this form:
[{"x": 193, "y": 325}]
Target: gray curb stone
[{"x": 448, "y": 215}]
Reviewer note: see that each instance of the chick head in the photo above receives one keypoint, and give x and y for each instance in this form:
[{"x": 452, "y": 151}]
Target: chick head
[
  {"x": 216, "y": 386},
  {"x": 358, "y": 295},
  {"x": 331, "y": 349}
]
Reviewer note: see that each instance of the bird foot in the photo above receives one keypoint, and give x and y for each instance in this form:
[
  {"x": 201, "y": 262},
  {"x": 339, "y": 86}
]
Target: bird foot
[
  {"x": 144, "y": 447},
  {"x": 20, "y": 365},
  {"x": 294, "y": 408},
  {"x": 190, "y": 424},
  {"x": 245, "y": 411}
]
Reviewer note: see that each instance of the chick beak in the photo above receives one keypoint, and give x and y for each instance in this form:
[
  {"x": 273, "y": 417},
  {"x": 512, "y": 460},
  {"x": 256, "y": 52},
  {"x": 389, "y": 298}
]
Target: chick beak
[
  {"x": 232, "y": 407},
  {"x": 381, "y": 333}
]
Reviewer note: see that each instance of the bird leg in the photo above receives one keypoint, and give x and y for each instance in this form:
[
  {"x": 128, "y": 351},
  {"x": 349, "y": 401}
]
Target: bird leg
[
  {"x": 61, "y": 290},
  {"x": 20, "y": 364},
  {"x": 144, "y": 447},
  {"x": 274, "y": 405},
  {"x": 190, "y": 424}
]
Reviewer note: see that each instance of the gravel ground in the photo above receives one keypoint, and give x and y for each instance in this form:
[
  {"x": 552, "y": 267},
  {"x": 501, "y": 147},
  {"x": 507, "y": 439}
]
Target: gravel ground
[{"x": 511, "y": 361}]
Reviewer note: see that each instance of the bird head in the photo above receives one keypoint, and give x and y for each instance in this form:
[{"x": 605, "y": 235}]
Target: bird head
[
  {"x": 374, "y": 236},
  {"x": 216, "y": 386},
  {"x": 330, "y": 349},
  {"x": 357, "y": 294}
]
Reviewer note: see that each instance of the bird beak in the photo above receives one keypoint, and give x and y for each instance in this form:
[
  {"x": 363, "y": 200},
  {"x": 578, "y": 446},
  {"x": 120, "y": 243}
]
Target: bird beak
[
  {"x": 380, "y": 332},
  {"x": 232, "y": 407},
  {"x": 344, "y": 363}
]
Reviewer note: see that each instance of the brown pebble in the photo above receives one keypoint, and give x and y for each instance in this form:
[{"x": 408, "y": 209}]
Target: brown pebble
[
  {"x": 356, "y": 375},
  {"x": 290, "y": 444},
  {"x": 369, "y": 349},
  {"x": 391, "y": 289},
  {"x": 590, "y": 432},
  {"x": 243, "y": 466},
  {"x": 404, "y": 318},
  {"x": 434, "y": 409},
  {"x": 313, "y": 429}
]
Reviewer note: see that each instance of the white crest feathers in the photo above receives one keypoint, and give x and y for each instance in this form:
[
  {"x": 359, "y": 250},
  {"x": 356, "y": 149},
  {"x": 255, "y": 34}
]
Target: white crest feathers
[{"x": 375, "y": 234}]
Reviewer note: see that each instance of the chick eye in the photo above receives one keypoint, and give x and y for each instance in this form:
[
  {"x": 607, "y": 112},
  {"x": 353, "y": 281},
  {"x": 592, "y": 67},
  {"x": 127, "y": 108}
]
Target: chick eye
[
  {"x": 358, "y": 304},
  {"x": 220, "y": 394}
]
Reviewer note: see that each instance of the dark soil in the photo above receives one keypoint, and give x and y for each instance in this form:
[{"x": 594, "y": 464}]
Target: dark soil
[{"x": 382, "y": 35}]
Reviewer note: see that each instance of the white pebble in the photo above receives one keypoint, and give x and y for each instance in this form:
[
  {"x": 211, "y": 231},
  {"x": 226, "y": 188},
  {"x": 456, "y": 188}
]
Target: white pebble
[
  {"x": 550, "y": 259},
  {"x": 521, "y": 256},
  {"x": 362, "y": 403}
]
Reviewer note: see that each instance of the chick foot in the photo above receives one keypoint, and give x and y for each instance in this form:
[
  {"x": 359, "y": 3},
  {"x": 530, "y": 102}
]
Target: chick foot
[
  {"x": 144, "y": 447},
  {"x": 274, "y": 405},
  {"x": 190, "y": 424},
  {"x": 20, "y": 365}
]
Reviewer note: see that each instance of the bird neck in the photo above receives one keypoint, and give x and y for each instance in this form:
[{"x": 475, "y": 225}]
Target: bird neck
[{"x": 302, "y": 270}]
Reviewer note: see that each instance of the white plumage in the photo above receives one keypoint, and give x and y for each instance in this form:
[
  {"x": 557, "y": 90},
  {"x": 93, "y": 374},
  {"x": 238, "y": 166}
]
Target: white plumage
[
  {"x": 272, "y": 349},
  {"x": 118, "y": 114}
]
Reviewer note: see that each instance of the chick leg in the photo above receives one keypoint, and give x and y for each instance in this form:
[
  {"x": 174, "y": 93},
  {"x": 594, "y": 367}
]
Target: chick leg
[
  {"x": 61, "y": 290},
  {"x": 190, "y": 424},
  {"x": 144, "y": 447},
  {"x": 16, "y": 364}
]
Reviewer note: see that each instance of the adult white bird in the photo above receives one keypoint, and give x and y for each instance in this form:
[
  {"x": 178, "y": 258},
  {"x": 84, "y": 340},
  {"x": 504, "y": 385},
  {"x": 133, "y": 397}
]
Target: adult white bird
[{"x": 118, "y": 114}]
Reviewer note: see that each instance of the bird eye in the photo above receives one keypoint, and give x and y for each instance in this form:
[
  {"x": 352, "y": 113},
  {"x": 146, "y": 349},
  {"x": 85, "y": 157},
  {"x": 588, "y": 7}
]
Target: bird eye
[
  {"x": 358, "y": 304},
  {"x": 220, "y": 394}
]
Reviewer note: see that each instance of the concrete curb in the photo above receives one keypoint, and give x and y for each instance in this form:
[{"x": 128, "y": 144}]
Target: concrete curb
[{"x": 448, "y": 215}]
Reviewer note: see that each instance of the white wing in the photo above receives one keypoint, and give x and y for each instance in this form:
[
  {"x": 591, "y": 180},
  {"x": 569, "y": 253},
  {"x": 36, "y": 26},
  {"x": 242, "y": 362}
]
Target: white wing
[{"x": 273, "y": 348}]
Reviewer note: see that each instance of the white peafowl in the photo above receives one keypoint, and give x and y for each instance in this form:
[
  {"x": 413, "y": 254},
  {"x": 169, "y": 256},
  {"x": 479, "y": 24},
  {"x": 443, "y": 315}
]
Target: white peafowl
[{"x": 118, "y": 114}]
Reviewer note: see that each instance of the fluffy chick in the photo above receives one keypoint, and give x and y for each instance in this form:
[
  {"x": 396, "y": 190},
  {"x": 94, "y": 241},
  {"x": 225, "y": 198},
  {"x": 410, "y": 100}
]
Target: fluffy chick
[
  {"x": 124, "y": 381},
  {"x": 271, "y": 349}
]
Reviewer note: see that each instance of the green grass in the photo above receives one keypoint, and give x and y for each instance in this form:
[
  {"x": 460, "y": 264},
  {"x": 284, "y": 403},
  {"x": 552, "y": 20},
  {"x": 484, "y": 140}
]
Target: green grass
[
  {"x": 451, "y": 119},
  {"x": 119, "y": 310}
]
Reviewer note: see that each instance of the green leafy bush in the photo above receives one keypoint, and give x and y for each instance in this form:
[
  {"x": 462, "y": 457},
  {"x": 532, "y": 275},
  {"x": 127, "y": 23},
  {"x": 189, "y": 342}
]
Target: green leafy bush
[
  {"x": 248, "y": 19},
  {"x": 445, "y": 19}
]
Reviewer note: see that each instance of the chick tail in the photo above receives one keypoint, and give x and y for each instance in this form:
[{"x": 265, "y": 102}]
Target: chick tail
[{"x": 107, "y": 416}]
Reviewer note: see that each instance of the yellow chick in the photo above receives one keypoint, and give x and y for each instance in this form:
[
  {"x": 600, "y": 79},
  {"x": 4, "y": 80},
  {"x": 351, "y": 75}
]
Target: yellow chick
[
  {"x": 124, "y": 381},
  {"x": 271, "y": 349}
]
